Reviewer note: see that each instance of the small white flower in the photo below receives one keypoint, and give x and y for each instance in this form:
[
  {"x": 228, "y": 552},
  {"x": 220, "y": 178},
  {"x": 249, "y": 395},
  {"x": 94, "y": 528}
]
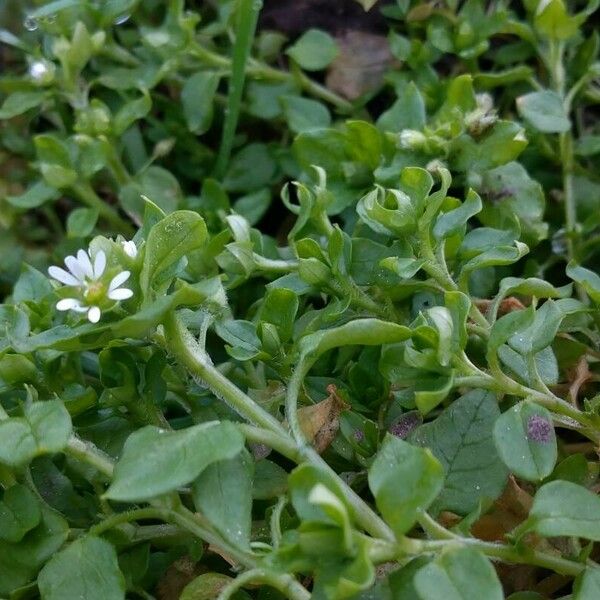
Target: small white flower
[
  {"x": 42, "y": 72},
  {"x": 130, "y": 248},
  {"x": 86, "y": 277}
]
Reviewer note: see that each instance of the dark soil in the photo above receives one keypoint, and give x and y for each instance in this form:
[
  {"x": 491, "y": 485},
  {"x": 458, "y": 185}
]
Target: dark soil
[{"x": 294, "y": 17}]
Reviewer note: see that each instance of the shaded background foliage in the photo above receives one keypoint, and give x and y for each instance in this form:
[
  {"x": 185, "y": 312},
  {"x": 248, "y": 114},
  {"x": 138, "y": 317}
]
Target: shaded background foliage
[{"x": 107, "y": 104}]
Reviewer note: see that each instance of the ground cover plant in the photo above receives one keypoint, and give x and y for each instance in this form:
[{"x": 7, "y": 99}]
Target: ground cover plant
[{"x": 299, "y": 300}]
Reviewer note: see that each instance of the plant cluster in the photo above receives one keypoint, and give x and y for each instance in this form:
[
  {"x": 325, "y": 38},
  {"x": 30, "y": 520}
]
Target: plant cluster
[{"x": 264, "y": 335}]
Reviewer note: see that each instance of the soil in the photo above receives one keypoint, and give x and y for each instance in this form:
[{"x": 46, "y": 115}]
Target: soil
[{"x": 294, "y": 17}]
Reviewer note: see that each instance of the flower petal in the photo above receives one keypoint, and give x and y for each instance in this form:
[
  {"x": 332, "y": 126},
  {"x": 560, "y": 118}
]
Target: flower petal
[
  {"x": 85, "y": 263},
  {"x": 62, "y": 276},
  {"x": 118, "y": 279},
  {"x": 120, "y": 294},
  {"x": 99, "y": 264},
  {"x": 75, "y": 268},
  {"x": 68, "y": 304},
  {"x": 94, "y": 314},
  {"x": 130, "y": 248}
]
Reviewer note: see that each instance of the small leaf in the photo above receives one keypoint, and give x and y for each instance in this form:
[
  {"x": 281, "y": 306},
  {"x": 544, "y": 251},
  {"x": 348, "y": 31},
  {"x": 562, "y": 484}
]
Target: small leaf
[
  {"x": 19, "y": 102},
  {"x": 170, "y": 239},
  {"x": 45, "y": 428},
  {"x": 208, "y": 586},
  {"x": 241, "y": 335},
  {"x": 197, "y": 97},
  {"x": 87, "y": 568},
  {"x": 19, "y": 513},
  {"x": 303, "y": 114},
  {"x": 544, "y": 111},
  {"x": 589, "y": 280},
  {"x": 155, "y": 461},
  {"x": 36, "y": 195},
  {"x": 130, "y": 112},
  {"x": 223, "y": 494},
  {"x": 314, "y": 50},
  {"x": 450, "y": 223},
  {"x": 81, "y": 222},
  {"x": 587, "y": 585},
  {"x": 461, "y": 574},
  {"x": 565, "y": 508},
  {"x": 461, "y": 439},
  {"x": 404, "y": 480},
  {"x": 525, "y": 439}
]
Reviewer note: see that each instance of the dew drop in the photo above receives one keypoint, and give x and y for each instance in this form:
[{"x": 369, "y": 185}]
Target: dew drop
[
  {"x": 30, "y": 23},
  {"x": 122, "y": 19}
]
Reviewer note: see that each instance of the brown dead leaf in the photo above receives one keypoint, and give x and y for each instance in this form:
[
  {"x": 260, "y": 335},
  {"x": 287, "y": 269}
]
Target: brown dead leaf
[
  {"x": 578, "y": 376},
  {"x": 507, "y": 305},
  {"x": 176, "y": 577},
  {"x": 508, "y": 511},
  {"x": 321, "y": 422},
  {"x": 360, "y": 65}
]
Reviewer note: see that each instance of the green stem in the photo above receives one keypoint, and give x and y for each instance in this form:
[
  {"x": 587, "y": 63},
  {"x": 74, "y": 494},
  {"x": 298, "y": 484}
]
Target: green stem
[
  {"x": 264, "y": 72},
  {"x": 90, "y": 454},
  {"x": 279, "y": 443},
  {"x": 88, "y": 196},
  {"x": 247, "y": 18},
  {"x": 183, "y": 346},
  {"x": 286, "y": 584}
]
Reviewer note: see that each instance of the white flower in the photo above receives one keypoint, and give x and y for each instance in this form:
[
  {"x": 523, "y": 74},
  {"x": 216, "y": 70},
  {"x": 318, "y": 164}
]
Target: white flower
[
  {"x": 130, "y": 248},
  {"x": 87, "y": 279},
  {"x": 42, "y": 71}
]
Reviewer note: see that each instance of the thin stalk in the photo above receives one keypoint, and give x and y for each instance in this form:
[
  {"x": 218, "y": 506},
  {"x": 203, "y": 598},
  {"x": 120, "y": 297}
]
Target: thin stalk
[
  {"x": 247, "y": 18},
  {"x": 88, "y": 196},
  {"x": 279, "y": 443},
  {"x": 265, "y": 72},
  {"x": 183, "y": 346},
  {"x": 86, "y": 452},
  {"x": 286, "y": 584}
]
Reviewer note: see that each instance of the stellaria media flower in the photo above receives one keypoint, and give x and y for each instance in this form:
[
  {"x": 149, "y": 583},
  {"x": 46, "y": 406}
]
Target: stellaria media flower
[
  {"x": 130, "y": 248},
  {"x": 92, "y": 290}
]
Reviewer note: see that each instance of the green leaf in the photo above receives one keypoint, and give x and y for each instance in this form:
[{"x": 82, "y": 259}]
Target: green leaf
[
  {"x": 270, "y": 480},
  {"x": 280, "y": 307},
  {"x": 208, "y": 586},
  {"x": 587, "y": 585},
  {"x": 553, "y": 21},
  {"x": 404, "y": 480},
  {"x": 20, "y": 562},
  {"x": 20, "y": 102},
  {"x": 19, "y": 513},
  {"x": 544, "y": 111},
  {"x": 241, "y": 335},
  {"x": 461, "y": 439},
  {"x": 450, "y": 223},
  {"x": 250, "y": 169},
  {"x": 408, "y": 112},
  {"x": 461, "y": 574},
  {"x": 36, "y": 195},
  {"x": 526, "y": 442},
  {"x": 509, "y": 191},
  {"x": 223, "y": 494},
  {"x": 562, "y": 508},
  {"x": 44, "y": 428},
  {"x": 589, "y": 280},
  {"x": 314, "y": 50},
  {"x": 303, "y": 114},
  {"x": 169, "y": 240},
  {"x": 508, "y": 325},
  {"x": 87, "y": 568},
  {"x": 155, "y": 461},
  {"x": 197, "y": 97},
  {"x": 130, "y": 112},
  {"x": 81, "y": 222},
  {"x": 31, "y": 286}
]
